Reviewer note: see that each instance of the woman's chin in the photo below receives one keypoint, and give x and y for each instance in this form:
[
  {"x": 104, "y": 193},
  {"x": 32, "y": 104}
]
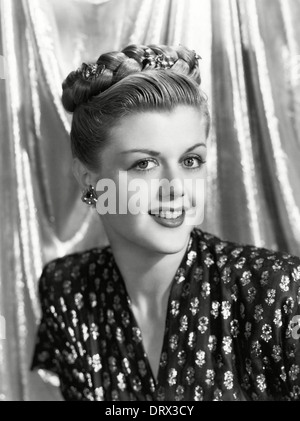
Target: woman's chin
[
  {"x": 169, "y": 241},
  {"x": 148, "y": 234}
]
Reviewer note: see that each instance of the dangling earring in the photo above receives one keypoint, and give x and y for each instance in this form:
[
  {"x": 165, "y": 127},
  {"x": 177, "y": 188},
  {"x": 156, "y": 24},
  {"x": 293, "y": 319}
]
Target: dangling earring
[{"x": 89, "y": 196}]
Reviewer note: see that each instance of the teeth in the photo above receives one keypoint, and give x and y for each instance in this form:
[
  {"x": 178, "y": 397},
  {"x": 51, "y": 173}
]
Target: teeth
[{"x": 169, "y": 214}]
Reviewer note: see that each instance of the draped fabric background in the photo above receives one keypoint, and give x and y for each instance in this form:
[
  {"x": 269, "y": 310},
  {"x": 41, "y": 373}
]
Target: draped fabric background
[{"x": 251, "y": 73}]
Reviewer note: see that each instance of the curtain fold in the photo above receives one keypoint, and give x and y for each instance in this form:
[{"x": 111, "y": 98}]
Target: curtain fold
[{"x": 250, "y": 71}]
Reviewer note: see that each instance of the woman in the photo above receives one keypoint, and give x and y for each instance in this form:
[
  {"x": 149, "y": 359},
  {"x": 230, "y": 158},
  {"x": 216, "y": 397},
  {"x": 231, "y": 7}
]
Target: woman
[{"x": 166, "y": 312}]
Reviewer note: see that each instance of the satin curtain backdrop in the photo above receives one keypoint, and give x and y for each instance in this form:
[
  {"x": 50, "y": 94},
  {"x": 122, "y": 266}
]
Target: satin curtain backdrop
[{"x": 251, "y": 74}]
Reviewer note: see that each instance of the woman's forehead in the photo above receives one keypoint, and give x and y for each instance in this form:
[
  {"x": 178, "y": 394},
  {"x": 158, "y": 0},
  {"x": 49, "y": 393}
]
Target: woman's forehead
[{"x": 183, "y": 126}]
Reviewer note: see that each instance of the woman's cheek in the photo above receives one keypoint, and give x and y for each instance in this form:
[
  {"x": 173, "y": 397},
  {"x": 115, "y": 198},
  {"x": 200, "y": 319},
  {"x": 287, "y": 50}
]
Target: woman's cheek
[
  {"x": 195, "y": 195},
  {"x": 139, "y": 196}
]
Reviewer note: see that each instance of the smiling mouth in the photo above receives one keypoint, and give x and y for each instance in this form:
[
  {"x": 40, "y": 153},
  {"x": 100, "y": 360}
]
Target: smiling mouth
[{"x": 171, "y": 214}]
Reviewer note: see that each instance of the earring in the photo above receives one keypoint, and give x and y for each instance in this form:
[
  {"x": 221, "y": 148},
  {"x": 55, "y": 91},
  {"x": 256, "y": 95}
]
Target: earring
[{"x": 89, "y": 196}]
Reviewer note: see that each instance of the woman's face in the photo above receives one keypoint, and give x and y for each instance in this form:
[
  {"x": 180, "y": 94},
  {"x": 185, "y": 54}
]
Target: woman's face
[{"x": 144, "y": 149}]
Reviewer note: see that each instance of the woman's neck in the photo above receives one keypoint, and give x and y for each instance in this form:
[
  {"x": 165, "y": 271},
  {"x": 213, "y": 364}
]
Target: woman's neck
[{"x": 147, "y": 275}]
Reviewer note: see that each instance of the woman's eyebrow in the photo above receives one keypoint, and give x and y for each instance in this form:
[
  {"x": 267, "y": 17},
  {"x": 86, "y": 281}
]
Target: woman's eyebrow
[{"x": 155, "y": 153}]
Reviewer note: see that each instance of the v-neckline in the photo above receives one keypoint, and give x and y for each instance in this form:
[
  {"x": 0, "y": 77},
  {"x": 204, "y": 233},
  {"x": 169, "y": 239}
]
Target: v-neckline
[{"x": 134, "y": 324}]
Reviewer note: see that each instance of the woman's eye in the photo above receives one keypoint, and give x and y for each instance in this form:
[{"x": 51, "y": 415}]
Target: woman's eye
[
  {"x": 145, "y": 164},
  {"x": 193, "y": 162}
]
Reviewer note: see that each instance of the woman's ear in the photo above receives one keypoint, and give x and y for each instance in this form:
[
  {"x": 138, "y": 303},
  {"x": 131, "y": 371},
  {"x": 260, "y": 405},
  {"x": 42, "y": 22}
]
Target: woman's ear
[{"x": 83, "y": 175}]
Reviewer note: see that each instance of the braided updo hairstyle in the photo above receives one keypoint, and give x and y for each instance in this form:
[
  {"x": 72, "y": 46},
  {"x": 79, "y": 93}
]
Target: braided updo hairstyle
[{"x": 139, "y": 78}]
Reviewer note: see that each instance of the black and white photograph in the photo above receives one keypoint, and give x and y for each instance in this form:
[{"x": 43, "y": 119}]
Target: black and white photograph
[{"x": 150, "y": 203}]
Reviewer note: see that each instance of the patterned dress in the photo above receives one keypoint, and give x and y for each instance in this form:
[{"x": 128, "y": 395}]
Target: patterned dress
[{"x": 231, "y": 328}]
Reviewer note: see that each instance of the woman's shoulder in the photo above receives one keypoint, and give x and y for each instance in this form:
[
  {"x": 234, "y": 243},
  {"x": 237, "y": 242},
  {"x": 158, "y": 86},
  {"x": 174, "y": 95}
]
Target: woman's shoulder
[
  {"x": 80, "y": 259},
  {"x": 243, "y": 257},
  {"x": 263, "y": 283},
  {"x": 70, "y": 273}
]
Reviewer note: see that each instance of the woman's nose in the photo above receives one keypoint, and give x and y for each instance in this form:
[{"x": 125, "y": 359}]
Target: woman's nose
[{"x": 171, "y": 185}]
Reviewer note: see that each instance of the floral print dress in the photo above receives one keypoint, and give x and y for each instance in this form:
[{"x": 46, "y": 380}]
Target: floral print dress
[{"x": 230, "y": 332}]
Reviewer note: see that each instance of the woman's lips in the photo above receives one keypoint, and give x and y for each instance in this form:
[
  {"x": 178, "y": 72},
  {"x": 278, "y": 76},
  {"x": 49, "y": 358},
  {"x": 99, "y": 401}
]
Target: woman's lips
[{"x": 169, "y": 218}]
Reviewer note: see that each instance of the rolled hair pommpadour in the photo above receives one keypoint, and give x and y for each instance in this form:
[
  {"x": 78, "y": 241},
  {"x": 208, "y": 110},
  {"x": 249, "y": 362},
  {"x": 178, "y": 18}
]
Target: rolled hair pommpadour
[{"x": 138, "y": 79}]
